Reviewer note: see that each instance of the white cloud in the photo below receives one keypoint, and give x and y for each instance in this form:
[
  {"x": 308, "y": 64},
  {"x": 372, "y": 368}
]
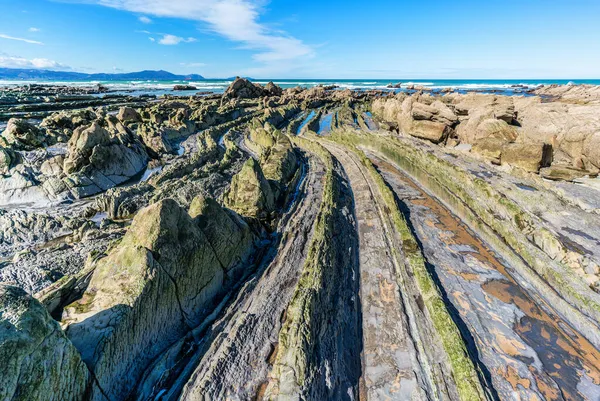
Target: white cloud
[
  {"x": 174, "y": 40},
  {"x": 33, "y": 29},
  {"x": 237, "y": 20},
  {"x": 34, "y": 42},
  {"x": 145, "y": 20},
  {"x": 37, "y": 63},
  {"x": 193, "y": 64},
  {"x": 152, "y": 39}
]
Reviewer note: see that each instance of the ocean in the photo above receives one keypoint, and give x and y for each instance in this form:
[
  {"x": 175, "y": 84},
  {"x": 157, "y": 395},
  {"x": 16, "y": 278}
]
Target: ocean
[{"x": 219, "y": 85}]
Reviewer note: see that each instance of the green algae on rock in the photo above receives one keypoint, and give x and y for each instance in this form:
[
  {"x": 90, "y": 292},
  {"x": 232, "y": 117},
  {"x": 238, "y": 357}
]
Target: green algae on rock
[
  {"x": 250, "y": 193},
  {"x": 153, "y": 288},
  {"x": 37, "y": 361}
]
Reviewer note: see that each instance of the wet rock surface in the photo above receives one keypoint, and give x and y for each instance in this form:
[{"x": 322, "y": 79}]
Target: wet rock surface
[{"x": 305, "y": 244}]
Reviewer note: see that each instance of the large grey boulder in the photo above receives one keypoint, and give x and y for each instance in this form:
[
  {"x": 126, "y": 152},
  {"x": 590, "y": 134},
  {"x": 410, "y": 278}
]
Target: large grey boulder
[
  {"x": 102, "y": 156},
  {"x": 37, "y": 360}
]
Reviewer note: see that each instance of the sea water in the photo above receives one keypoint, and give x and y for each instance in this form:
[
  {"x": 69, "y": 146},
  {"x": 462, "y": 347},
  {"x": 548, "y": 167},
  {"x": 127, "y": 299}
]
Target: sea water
[{"x": 219, "y": 85}]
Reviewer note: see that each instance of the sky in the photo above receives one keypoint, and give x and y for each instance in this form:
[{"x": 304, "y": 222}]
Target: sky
[{"x": 437, "y": 39}]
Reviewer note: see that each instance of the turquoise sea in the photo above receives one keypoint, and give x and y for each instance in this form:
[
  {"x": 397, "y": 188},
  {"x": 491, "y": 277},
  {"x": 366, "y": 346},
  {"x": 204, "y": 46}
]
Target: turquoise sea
[{"x": 219, "y": 85}]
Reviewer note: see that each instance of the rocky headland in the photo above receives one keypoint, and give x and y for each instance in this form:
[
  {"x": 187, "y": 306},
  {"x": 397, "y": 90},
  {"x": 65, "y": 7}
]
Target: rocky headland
[{"x": 300, "y": 244}]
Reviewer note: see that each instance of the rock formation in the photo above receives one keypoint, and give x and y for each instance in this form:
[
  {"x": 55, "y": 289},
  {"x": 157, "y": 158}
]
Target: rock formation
[
  {"x": 158, "y": 284},
  {"x": 37, "y": 360},
  {"x": 250, "y": 194},
  {"x": 309, "y": 243}
]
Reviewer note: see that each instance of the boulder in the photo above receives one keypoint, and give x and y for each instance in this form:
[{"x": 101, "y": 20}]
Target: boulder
[
  {"x": 475, "y": 109},
  {"x": 37, "y": 361},
  {"x": 128, "y": 115},
  {"x": 431, "y": 120},
  {"x": 242, "y": 88},
  {"x": 22, "y": 135},
  {"x": 184, "y": 88},
  {"x": 489, "y": 148},
  {"x": 528, "y": 156},
  {"x": 259, "y": 139},
  {"x": 564, "y": 173},
  {"x": 432, "y": 131},
  {"x": 69, "y": 120},
  {"x": 161, "y": 281},
  {"x": 493, "y": 128},
  {"x": 591, "y": 149},
  {"x": 250, "y": 193}
]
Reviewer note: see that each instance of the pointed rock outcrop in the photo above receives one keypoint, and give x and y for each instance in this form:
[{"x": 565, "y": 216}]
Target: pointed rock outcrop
[
  {"x": 250, "y": 194},
  {"x": 160, "y": 282}
]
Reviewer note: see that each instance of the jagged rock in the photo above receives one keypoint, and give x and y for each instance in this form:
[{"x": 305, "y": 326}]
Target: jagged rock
[
  {"x": 279, "y": 164},
  {"x": 144, "y": 296},
  {"x": 21, "y": 135},
  {"x": 69, "y": 120},
  {"x": 228, "y": 234},
  {"x": 6, "y": 160},
  {"x": 37, "y": 360},
  {"x": 98, "y": 159},
  {"x": 155, "y": 138},
  {"x": 250, "y": 194},
  {"x": 437, "y": 112},
  {"x": 128, "y": 115},
  {"x": 241, "y": 88},
  {"x": 490, "y": 148},
  {"x": 528, "y": 156},
  {"x": 273, "y": 90},
  {"x": 259, "y": 138},
  {"x": 123, "y": 202}
]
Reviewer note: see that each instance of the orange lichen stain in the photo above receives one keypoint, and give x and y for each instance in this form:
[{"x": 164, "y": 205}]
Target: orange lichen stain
[
  {"x": 539, "y": 328},
  {"x": 469, "y": 276},
  {"x": 552, "y": 343},
  {"x": 460, "y": 299},
  {"x": 509, "y": 346},
  {"x": 511, "y": 374},
  {"x": 273, "y": 355},
  {"x": 386, "y": 290},
  {"x": 260, "y": 393},
  {"x": 545, "y": 385}
]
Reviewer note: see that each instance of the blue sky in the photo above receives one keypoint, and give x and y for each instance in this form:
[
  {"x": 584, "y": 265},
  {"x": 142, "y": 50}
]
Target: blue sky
[{"x": 307, "y": 39}]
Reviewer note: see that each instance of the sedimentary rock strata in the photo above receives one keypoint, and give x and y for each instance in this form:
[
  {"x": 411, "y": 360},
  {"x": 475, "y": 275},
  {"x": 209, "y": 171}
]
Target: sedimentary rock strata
[{"x": 305, "y": 244}]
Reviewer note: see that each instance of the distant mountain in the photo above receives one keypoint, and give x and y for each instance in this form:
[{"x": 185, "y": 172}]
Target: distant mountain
[{"x": 28, "y": 74}]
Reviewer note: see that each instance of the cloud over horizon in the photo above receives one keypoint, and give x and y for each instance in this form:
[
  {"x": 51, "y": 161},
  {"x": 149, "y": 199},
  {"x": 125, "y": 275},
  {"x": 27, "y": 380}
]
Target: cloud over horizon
[
  {"x": 237, "y": 20},
  {"x": 7, "y": 61}
]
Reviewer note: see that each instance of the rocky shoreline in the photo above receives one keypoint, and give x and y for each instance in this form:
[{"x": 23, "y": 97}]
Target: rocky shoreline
[{"x": 242, "y": 246}]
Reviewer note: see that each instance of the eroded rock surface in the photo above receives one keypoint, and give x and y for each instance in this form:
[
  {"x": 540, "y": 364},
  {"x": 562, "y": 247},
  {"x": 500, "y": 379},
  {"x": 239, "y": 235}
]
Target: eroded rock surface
[
  {"x": 300, "y": 243},
  {"x": 37, "y": 361}
]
